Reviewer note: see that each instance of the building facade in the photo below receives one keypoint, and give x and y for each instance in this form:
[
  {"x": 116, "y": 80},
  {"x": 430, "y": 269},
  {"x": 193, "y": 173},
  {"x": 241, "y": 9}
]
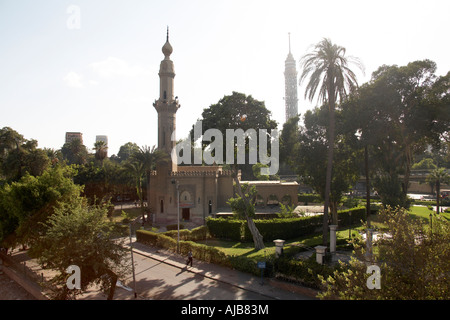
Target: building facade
[{"x": 70, "y": 136}]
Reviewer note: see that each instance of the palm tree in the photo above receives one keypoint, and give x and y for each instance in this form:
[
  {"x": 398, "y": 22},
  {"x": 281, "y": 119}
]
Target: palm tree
[
  {"x": 136, "y": 169},
  {"x": 149, "y": 157},
  {"x": 328, "y": 71},
  {"x": 101, "y": 150},
  {"x": 436, "y": 177}
]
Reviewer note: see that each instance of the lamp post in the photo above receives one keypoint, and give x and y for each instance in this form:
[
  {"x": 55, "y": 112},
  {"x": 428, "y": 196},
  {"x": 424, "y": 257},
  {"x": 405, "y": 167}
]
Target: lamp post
[
  {"x": 132, "y": 265},
  {"x": 177, "y": 185}
]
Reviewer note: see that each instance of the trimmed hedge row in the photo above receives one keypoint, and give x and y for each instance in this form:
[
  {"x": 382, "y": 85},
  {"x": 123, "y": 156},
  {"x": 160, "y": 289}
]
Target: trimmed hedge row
[
  {"x": 196, "y": 234},
  {"x": 278, "y": 228},
  {"x": 199, "y": 251}
]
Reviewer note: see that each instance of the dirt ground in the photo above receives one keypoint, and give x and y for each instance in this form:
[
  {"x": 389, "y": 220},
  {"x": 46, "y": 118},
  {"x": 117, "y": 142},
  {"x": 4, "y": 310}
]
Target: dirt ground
[{"x": 11, "y": 290}]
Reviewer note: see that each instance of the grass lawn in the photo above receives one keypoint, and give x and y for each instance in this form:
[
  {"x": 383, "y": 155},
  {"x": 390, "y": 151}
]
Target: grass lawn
[
  {"x": 424, "y": 213},
  {"x": 246, "y": 249},
  {"x": 132, "y": 212}
]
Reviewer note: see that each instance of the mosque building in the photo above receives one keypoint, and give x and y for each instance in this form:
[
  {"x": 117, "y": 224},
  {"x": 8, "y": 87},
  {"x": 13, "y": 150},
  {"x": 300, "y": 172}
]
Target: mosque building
[{"x": 202, "y": 190}]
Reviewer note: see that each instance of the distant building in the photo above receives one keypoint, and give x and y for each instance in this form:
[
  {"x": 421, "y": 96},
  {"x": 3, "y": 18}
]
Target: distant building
[
  {"x": 290, "y": 79},
  {"x": 102, "y": 138},
  {"x": 71, "y": 136}
]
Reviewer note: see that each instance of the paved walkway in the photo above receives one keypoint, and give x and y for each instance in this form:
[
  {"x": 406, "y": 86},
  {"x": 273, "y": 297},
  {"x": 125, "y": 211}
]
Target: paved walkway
[{"x": 271, "y": 288}]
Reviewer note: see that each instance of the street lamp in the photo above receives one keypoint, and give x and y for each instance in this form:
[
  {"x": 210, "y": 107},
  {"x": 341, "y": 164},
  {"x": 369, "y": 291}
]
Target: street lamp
[
  {"x": 176, "y": 183},
  {"x": 132, "y": 264}
]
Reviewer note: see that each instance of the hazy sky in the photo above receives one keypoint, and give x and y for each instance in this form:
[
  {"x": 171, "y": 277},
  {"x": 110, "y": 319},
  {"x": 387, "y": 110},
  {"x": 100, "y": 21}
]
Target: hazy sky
[{"x": 100, "y": 77}]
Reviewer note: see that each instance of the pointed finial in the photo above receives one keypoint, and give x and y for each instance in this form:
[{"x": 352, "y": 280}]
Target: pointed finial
[
  {"x": 289, "y": 34},
  {"x": 167, "y": 33}
]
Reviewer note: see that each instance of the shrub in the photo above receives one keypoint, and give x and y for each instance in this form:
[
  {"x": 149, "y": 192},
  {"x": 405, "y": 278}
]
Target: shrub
[
  {"x": 351, "y": 216},
  {"x": 229, "y": 229},
  {"x": 309, "y": 197},
  {"x": 199, "y": 251},
  {"x": 304, "y": 272},
  {"x": 174, "y": 227}
]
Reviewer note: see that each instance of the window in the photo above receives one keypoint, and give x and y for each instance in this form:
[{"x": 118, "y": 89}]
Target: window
[{"x": 162, "y": 205}]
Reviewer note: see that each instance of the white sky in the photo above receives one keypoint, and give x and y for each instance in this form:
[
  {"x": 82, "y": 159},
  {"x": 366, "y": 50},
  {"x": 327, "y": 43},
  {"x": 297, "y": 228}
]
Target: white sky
[{"x": 102, "y": 78}]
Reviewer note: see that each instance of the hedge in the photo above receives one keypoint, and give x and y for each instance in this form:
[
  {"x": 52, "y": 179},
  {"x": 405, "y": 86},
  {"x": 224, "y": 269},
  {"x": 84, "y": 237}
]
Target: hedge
[
  {"x": 309, "y": 198},
  {"x": 199, "y": 251},
  {"x": 278, "y": 228}
]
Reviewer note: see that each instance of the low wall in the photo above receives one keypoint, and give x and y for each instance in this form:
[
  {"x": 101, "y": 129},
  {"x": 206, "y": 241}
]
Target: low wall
[{"x": 29, "y": 285}]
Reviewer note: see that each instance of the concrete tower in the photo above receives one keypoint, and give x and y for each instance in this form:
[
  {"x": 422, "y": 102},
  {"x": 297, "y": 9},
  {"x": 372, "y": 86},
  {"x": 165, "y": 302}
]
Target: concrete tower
[
  {"x": 167, "y": 104},
  {"x": 290, "y": 80}
]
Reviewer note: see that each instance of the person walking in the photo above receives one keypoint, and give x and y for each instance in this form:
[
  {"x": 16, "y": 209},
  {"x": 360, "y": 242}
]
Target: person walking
[{"x": 189, "y": 260}]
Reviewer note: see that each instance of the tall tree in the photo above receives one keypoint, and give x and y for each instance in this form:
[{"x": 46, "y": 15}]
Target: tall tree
[
  {"x": 437, "y": 177},
  {"x": 239, "y": 111},
  {"x": 101, "y": 150},
  {"x": 328, "y": 71},
  {"x": 75, "y": 152},
  {"x": 81, "y": 235},
  {"x": 309, "y": 157}
]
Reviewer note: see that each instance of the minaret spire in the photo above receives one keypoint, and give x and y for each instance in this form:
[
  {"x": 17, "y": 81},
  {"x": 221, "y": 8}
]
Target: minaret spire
[
  {"x": 289, "y": 35},
  {"x": 167, "y": 39},
  {"x": 290, "y": 76}
]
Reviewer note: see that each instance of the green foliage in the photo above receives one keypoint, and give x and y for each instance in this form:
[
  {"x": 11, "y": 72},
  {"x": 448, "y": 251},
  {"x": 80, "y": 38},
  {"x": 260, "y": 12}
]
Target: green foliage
[
  {"x": 256, "y": 169},
  {"x": 225, "y": 228},
  {"x": 286, "y": 211},
  {"x": 238, "y": 205},
  {"x": 306, "y": 272},
  {"x": 78, "y": 234},
  {"x": 426, "y": 163},
  {"x": 309, "y": 198},
  {"x": 413, "y": 260},
  {"x": 199, "y": 251},
  {"x": 390, "y": 191},
  {"x": 278, "y": 228},
  {"x": 31, "y": 200}
]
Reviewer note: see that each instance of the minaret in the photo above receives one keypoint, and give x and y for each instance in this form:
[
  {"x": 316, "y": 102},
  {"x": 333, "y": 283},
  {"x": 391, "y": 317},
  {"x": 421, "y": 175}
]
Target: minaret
[
  {"x": 167, "y": 105},
  {"x": 290, "y": 80}
]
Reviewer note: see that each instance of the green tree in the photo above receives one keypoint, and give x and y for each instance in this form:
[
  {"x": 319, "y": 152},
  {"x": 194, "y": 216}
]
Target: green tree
[
  {"x": 413, "y": 261},
  {"x": 31, "y": 200},
  {"x": 311, "y": 157},
  {"x": 437, "y": 177},
  {"x": 405, "y": 112},
  {"x": 328, "y": 71},
  {"x": 127, "y": 150},
  {"x": 136, "y": 170},
  {"x": 239, "y": 111},
  {"x": 19, "y": 156},
  {"x": 288, "y": 139},
  {"x": 101, "y": 151},
  {"x": 75, "y": 152},
  {"x": 80, "y": 235}
]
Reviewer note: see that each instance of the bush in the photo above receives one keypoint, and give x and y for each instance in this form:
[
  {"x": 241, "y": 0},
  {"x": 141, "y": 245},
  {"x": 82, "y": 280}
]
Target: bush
[
  {"x": 228, "y": 229},
  {"x": 309, "y": 197},
  {"x": 279, "y": 228},
  {"x": 351, "y": 216},
  {"x": 304, "y": 272},
  {"x": 199, "y": 251},
  {"x": 174, "y": 227},
  {"x": 197, "y": 234}
]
